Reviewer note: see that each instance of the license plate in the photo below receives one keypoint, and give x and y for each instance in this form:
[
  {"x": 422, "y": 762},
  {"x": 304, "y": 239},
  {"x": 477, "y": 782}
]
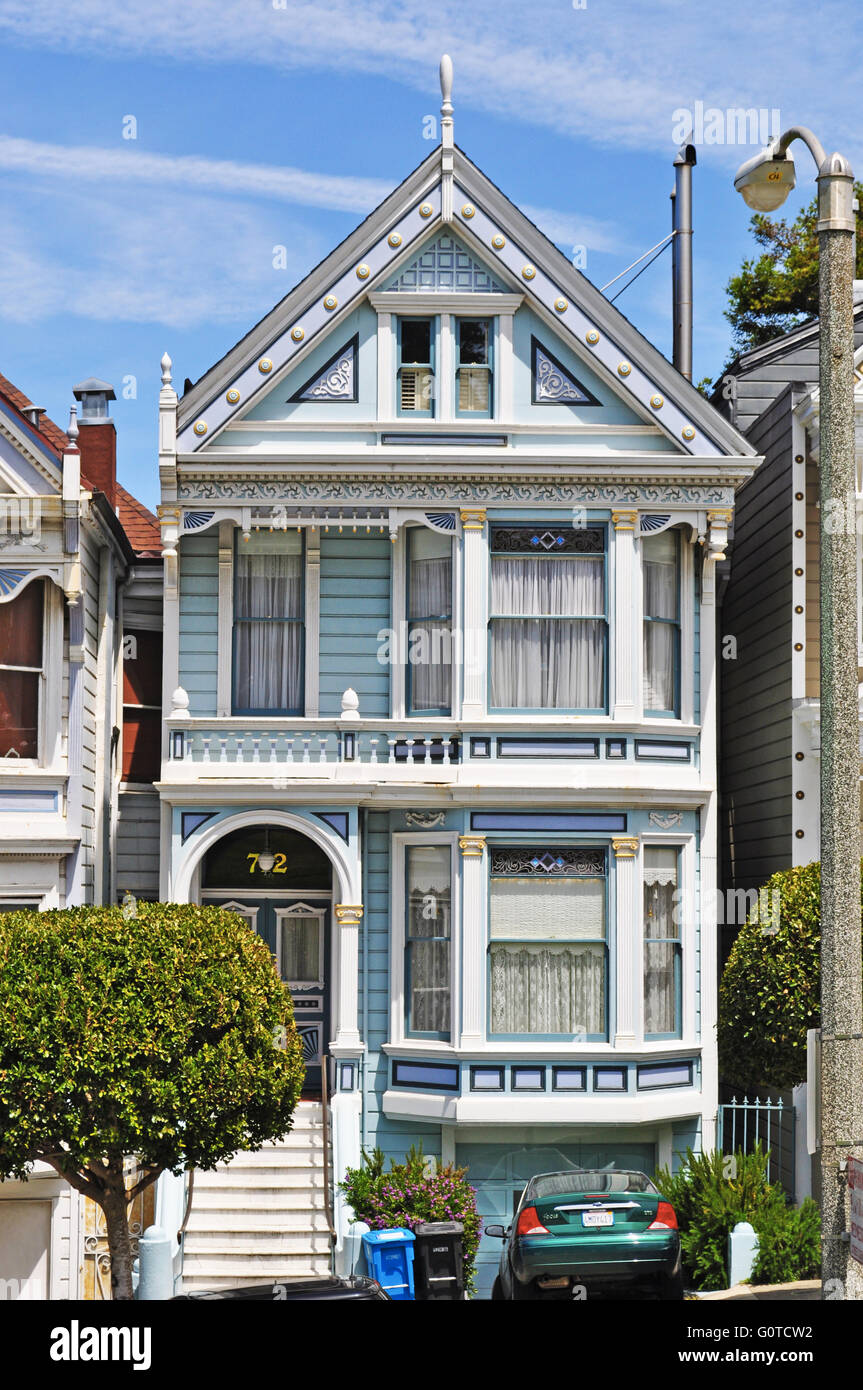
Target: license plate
[{"x": 597, "y": 1218}]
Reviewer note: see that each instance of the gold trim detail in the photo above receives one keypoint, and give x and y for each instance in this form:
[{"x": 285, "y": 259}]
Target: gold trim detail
[
  {"x": 298, "y": 334},
  {"x": 471, "y": 846},
  {"x": 265, "y": 366},
  {"x": 394, "y": 239},
  {"x": 363, "y": 271},
  {"x": 200, "y": 427},
  {"x": 348, "y": 914},
  {"x": 232, "y": 396},
  {"x": 688, "y": 432},
  {"x": 657, "y": 402},
  {"x": 626, "y": 848},
  {"x": 624, "y": 521},
  {"x": 528, "y": 271},
  {"x": 624, "y": 368},
  {"x": 426, "y": 209},
  {"x": 591, "y": 337},
  {"x": 561, "y": 305},
  {"x": 473, "y": 518},
  {"x": 498, "y": 241},
  {"x": 468, "y": 210}
]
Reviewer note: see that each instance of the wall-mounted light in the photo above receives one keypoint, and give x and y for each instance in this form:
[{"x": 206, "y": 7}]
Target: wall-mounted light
[{"x": 266, "y": 859}]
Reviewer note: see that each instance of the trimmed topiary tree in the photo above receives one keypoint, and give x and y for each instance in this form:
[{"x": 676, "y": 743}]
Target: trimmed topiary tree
[
  {"x": 166, "y": 1035},
  {"x": 770, "y": 992}
]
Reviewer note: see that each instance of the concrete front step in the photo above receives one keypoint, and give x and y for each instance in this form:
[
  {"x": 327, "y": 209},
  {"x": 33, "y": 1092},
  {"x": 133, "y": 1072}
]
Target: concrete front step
[
  {"x": 274, "y": 1199},
  {"x": 205, "y": 1223},
  {"x": 241, "y": 1279},
  {"x": 241, "y": 1269}
]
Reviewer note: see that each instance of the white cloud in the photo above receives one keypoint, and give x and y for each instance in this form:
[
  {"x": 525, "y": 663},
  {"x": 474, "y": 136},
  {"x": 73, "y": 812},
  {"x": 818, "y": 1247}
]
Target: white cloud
[
  {"x": 181, "y": 263},
  {"x": 612, "y": 73}
]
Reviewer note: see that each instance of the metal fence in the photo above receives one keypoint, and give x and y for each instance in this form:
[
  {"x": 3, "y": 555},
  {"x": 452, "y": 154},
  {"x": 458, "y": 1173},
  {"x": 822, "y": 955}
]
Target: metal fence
[{"x": 745, "y": 1122}]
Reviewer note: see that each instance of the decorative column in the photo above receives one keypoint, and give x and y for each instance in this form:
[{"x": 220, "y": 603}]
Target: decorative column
[
  {"x": 628, "y": 933},
  {"x": 473, "y": 880},
  {"x": 475, "y": 613},
  {"x": 226, "y": 618},
  {"x": 627, "y": 619},
  {"x": 707, "y": 929},
  {"x": 348, "y": 918}
]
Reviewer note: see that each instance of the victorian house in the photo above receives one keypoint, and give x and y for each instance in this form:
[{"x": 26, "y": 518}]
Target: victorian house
[
  {"x": 79, "y": 731},
  {"x": 440, "y": 691}
]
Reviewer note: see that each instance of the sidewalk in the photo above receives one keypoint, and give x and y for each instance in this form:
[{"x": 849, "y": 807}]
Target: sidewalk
[{"x": 805, "y": 1291}]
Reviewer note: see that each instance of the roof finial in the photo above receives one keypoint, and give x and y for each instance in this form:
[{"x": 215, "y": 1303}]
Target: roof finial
[
  {"x": 166, "y": 365},
  {"x": 446, "y": 95},
  {"x": 72, "y": 430},
  {"x": 446, "y": 137}
]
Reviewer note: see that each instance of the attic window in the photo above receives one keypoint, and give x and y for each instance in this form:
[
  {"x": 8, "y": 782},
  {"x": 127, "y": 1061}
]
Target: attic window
[
  {"x": 554, "y": 384},
  {"x": 416, "y": 367}
]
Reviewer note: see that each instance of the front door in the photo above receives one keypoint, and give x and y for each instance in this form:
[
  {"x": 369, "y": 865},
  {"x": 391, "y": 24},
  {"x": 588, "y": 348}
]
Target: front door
[{"x": 297, "y": 932}]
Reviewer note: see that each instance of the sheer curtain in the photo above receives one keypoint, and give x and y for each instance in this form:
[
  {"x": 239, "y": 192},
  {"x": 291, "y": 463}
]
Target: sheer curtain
[
  {"x": 428, "y": 938},
  {"x": 430, "y": 610},
  {"x": 268, "y": 655},
  {"x": 551, "y": 661},
  {"x": 660, "y": 569},
  {"x": 661, "y": 941},
  {"x": 548, "y": 960}
]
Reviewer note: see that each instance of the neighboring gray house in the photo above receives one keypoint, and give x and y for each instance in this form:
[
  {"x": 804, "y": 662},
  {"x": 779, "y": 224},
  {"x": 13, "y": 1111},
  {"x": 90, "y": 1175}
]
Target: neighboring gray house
[{"x": 768, "y": 625}]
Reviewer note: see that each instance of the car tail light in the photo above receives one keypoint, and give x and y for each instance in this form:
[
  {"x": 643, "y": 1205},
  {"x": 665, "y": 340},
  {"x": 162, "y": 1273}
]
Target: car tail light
[
  {"x": 529, "y": 1224},
  {"x": 665, "y": 1219}
]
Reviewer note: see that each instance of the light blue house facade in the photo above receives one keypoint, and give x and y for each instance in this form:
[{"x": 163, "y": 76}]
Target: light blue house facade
[{"x": 440, "y": 690}]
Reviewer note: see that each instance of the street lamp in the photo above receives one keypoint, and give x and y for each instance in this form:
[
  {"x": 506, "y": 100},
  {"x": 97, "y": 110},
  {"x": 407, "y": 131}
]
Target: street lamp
[{"x": 764, "y": 183}]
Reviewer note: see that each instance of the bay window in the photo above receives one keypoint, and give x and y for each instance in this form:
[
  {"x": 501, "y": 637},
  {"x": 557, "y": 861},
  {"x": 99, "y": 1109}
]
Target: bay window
[
  {"x": 474, "y": 383},
  {"x": 416, "y": 367},
  {"x": 548, "y": 952},
  {"x": 428, "y": 932},
  {"x": 269, "y": 633},
  {"x": 21, "y": 661},
  {"x": 660, "y": 557},
  {"x": 429, "y": 622},
  {"x": 548, "y": 624},
  {"x": 662, "y": 963}
]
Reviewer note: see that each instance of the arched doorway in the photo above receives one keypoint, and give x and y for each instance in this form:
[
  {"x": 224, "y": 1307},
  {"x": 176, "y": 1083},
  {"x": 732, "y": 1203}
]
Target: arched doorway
[{"x": 281, "y": 882}]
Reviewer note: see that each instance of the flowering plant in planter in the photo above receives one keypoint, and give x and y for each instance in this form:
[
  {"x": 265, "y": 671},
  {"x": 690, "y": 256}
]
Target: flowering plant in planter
[{"x": 409, "y": 1194}]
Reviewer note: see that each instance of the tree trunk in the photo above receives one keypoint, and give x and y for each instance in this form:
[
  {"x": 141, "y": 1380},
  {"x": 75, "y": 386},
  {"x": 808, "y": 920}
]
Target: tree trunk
[{"x": 113, "y": 1204}]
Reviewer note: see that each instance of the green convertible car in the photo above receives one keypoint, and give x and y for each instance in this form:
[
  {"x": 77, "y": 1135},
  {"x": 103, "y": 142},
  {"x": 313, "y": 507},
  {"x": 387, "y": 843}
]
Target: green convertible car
[{"x": 587, "y": 1231}]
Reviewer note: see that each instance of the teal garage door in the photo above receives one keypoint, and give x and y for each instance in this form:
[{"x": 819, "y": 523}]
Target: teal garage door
[{"x": 499, "y": 1172}]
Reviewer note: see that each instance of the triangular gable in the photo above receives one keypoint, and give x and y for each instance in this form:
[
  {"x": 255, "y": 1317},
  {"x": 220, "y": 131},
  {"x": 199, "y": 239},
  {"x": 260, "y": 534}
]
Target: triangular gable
[
  {"x": 446, "y": 264},
  {"x": 488, "y": 222},
  {"x": 336, "y": 380},
  {"x": 552, "y": 383}
]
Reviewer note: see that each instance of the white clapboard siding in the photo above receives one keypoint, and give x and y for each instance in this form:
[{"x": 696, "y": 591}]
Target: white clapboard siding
[{"x": 137, "y": 844}]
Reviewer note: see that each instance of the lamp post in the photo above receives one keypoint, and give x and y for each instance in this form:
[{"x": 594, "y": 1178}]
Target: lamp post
[{"x": 765, "y": 182}]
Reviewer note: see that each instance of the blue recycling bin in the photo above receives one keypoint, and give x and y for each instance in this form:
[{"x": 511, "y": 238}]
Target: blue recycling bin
[{"x": 390, "y": 1260}]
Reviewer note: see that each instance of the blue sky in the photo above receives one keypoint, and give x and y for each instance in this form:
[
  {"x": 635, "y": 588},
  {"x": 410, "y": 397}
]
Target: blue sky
[{"x": 264, "y": 123}]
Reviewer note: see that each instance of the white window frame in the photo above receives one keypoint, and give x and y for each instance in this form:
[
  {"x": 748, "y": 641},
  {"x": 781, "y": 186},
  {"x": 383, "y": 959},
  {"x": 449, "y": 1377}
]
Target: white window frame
[
  {"x": 693, "y": 921},
  {"x": 401, "y": 841},
  {"x": 301, "y": 910}
]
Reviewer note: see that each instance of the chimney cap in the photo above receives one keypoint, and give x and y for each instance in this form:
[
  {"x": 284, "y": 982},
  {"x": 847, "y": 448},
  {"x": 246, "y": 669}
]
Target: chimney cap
[{"x": 93, "y": 385}]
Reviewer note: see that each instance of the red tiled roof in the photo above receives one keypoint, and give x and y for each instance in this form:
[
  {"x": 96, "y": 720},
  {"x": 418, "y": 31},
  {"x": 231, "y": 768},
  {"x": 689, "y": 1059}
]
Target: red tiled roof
[
  {"x": 51, "y": 435},
  {"x": 140, "y": 525}
]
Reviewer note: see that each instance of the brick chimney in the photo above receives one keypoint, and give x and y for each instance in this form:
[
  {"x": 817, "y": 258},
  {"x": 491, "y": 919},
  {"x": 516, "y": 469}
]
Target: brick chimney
[{"x": 97, "y": 437}]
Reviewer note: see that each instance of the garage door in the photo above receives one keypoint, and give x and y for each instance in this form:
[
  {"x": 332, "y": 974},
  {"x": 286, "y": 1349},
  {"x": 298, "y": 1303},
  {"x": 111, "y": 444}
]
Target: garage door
[
  {"x": 499, "y": 1172},
  {"x": 25, "y": 1238}
]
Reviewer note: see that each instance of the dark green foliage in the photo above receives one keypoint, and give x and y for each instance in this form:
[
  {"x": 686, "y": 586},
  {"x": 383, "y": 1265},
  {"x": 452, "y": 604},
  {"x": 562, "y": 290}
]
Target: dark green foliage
[
  {"x": 770, "y": 990},
  {"x": 407, "y": 1196},
  {"x": 774, "y": 292},
  {"x": 711, "y": 1193},
  {"x": 166, "y": 1035}
]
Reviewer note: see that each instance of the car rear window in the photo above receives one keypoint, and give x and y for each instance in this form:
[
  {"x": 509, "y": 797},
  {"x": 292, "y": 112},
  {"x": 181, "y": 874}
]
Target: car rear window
[{"x": 590, "y": 1180}]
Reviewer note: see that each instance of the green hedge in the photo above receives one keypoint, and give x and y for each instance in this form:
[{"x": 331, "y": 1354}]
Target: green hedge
[
  {"x": 712, "y": 1192},
  {"x": 770, "y": 990}
]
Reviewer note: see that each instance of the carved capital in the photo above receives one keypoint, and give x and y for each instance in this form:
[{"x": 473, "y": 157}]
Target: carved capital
[
  {"x": 471, "y": 846},
  {"x": 624, "y": 521},
  {"x": 348, "y": 914},
  {"x": 473, "y": 518},
  {"x": 625, "y": 848}
]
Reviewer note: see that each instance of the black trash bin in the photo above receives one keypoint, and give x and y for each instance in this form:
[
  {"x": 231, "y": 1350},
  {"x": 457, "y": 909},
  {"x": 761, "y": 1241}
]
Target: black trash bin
[{"x": 438, "y": 1261}]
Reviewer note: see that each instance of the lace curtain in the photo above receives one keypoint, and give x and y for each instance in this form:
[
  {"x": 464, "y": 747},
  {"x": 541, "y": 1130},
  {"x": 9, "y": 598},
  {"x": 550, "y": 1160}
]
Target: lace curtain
[
  {"x": 662, "y": 955},
  {"x": 268, "y": 660},
  {"x": 659, "y": 562},
  {"x": 548, "y": 963},
  {"x": 430, "y": 608},
  {"x": 428, "y": 933},
  {"x": 555, "y": 660}
]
